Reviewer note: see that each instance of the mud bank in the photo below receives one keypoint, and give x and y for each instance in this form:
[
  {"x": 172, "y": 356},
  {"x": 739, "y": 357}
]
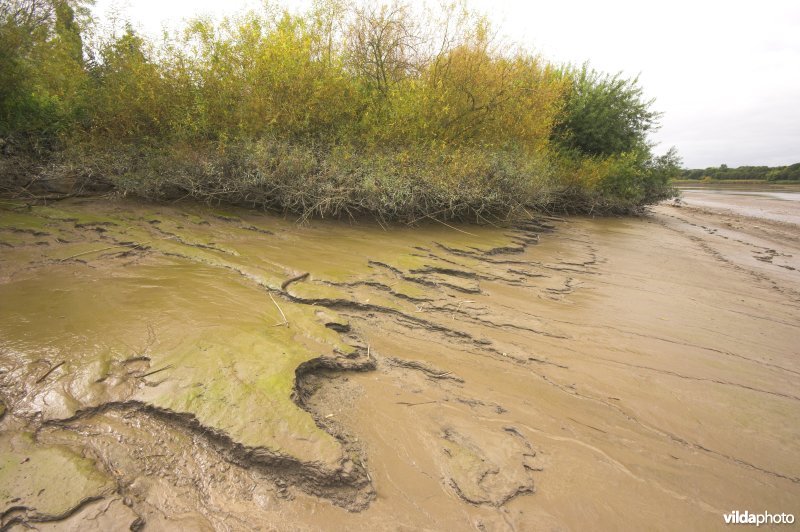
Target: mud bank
[{"x": 204, "y": 369}]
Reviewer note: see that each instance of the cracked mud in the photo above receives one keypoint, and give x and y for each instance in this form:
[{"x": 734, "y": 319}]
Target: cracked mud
[{"x": 182, "y": 367}]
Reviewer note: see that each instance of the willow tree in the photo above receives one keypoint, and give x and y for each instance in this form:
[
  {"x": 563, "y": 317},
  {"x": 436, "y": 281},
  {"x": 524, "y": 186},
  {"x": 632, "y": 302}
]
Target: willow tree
[{"x": 42, "y": 72}]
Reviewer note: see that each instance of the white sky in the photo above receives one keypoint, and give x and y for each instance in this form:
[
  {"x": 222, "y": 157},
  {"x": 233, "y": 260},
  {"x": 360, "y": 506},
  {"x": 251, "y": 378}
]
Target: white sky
[{"x": 726, "y": 74}]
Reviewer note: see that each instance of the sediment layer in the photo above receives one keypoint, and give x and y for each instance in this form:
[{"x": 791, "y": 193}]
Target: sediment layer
[{"x": 231, "y": 370}]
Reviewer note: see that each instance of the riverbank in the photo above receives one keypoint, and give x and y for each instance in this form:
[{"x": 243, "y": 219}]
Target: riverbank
[
  {"x": 200, "y": 368},
  {"x": 726, "y": 182}
]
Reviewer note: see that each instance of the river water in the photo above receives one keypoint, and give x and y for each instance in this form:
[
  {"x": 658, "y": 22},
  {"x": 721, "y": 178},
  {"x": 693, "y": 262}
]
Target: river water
[{"x": 773, "y": 202}]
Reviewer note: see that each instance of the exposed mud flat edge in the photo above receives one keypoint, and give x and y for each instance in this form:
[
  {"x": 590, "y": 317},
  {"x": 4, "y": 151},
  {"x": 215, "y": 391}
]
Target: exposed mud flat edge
[
  {"x": 354, "y": 469},
  {"x": 345, "y": 486},
  {"x": 22, "y": 515},
  {"x": 348, "y": 485}
]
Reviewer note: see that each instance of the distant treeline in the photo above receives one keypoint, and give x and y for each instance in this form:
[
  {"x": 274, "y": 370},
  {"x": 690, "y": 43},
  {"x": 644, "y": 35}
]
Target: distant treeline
[
  {"x": 387, "y": 110},
  {"x": 766, "y": 173}
]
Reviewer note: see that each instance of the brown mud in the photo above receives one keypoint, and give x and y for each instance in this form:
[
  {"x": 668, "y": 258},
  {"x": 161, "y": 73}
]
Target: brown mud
[{"x": 183, "y": 367}]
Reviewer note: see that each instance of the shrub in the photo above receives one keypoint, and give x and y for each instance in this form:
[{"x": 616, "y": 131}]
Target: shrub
[{"x": 334, "y": 111}]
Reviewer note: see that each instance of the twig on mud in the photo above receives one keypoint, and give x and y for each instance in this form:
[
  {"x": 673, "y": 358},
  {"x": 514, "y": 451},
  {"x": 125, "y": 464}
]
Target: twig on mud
[
  {"x": 88, "y": 252},
  {"x": 168, "y": 366},
  {"x": 49, "y": 371},
  {"x": 415, "y": 404},
  {"x": 458, "y": 307},
  {"x": 415, "y": 220},
  {"x": 530, "y": 216},
  {"x": 285, "y": 321},
  {"x": 103, "y": 249},
  {"x": 488, "y": 221},
  {"x": 451, "y": 227}
]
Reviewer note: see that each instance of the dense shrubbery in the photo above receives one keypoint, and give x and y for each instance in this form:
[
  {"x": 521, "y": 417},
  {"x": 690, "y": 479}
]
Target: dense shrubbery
[
  {"x": 723, "y": 172},
  {"x": 335, "y": 111},
  {"x": 604, "y": 115}
]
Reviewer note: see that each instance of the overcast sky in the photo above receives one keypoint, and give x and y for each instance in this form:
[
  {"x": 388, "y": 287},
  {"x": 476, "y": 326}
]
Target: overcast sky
[{"x": 726, "y": 74}]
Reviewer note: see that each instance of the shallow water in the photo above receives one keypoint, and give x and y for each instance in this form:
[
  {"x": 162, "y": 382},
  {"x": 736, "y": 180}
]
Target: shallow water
[
  {"x": 208, "y": 369},
  {"x": 772, "y": 202}
]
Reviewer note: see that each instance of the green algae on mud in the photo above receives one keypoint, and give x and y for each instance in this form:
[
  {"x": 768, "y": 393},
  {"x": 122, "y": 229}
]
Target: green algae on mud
[
  {"x": 193, "y": 312},
  {"x": 210, "y": 340}
]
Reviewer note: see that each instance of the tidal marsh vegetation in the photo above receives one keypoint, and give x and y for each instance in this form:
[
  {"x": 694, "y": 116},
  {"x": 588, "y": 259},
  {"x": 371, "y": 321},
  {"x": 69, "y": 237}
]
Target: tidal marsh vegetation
[{"x": 393, "y": 111}]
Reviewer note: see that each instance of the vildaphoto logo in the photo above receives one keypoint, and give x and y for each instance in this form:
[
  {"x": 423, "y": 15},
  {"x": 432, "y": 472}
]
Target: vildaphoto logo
[{"x": 764, "y": 518}]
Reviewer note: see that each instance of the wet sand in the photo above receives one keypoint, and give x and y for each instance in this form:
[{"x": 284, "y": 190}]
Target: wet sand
[
  {"x": 778, "y": 203},
  {"x": 637, "y": 373}
]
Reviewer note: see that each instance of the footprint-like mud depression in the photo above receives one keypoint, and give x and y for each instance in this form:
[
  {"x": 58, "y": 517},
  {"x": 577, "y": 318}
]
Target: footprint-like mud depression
[{"x": 190, "y": 368}]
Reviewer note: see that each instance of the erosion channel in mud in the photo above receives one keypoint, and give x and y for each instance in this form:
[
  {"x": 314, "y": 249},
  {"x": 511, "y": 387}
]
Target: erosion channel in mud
[{"x": 166, "y": 367}]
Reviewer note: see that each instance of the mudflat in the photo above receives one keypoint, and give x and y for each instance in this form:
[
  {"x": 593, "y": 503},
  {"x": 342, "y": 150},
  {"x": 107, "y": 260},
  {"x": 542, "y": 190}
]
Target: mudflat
[{"x": 184, "y": 367}]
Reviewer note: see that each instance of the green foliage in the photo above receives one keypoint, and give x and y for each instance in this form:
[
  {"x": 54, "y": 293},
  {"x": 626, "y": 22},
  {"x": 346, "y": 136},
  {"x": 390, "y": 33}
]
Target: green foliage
[
  {"x": 604, "y": 114},
  {"x": 601, "y": 137},
  {"x": 336, "y": 110},
  {"x": 128, "y": 92},
  {"x": 723, "y": 172},
  {"x": 620, "y": 183},
  {"x": 785, "y": 173},
  {"x": 42, "y": 73}
]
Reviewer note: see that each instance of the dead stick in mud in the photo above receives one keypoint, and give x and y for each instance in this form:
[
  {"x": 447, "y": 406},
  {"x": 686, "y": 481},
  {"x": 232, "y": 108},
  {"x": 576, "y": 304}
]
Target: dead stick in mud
[
  {"x": 488, "y": 221},
  {"x": 285, "y": 321},
  {"x": 103, "y": 249},
  {"x": 168, "y": 366},
  {"x": 49, "y": 371},
  {"x": 458, "y": 307},
  {"x": 416, "y": 404},
  {"x": 88, "y": 253},
  {"x": 451, "y": 227},
  {"x": 415, "y": 220}
]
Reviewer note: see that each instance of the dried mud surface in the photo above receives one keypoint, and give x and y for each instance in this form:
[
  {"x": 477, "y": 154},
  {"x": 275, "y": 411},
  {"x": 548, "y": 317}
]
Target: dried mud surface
[{"x": 182, "y": 367}]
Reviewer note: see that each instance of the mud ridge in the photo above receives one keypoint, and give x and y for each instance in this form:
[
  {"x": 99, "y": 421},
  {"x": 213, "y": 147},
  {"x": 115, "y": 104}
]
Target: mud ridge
[
  {"x": 21, "y": 515},
  {"x": 428, "y": 370},
  {"x": 379, "y": 286},
  {"x": 184, "y": 242},
  {"x": 452, "y": 272},
  {"x": 345, "y": 486},
  {"x": 346, "y": 304},
  {"x": 294, "y": 279},
  {"x": 354, "y": 464}
]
